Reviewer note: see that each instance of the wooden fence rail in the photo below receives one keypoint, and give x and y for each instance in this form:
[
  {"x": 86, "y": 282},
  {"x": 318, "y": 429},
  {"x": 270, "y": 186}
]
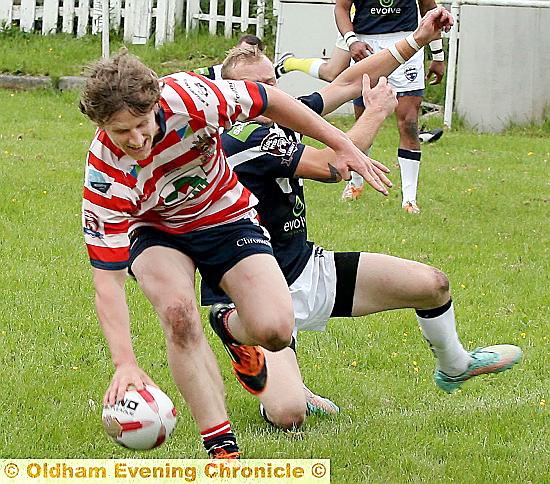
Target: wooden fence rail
[{"x": 139, "y": 19}]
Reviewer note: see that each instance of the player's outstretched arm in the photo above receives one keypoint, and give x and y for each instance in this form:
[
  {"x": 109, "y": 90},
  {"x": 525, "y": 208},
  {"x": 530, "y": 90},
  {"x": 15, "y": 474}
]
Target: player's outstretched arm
[
  {"x": 291, "y": 113},
  {"x": 380, "y": 102},
  {"x": 432, "y": 24},
  {"x": 112, "y": 312}
]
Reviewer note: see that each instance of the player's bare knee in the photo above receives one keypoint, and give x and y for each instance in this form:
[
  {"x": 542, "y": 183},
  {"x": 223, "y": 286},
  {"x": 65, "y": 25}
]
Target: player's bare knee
[
  {"x": 288, "y": 419},
  {"x": 275, "y": 339},
  {"x": 439, "y": 285},
  {"x": 409, "y": 126},
  {"x": 182, "y": 323},
  {"x": 272, "y": 331}
]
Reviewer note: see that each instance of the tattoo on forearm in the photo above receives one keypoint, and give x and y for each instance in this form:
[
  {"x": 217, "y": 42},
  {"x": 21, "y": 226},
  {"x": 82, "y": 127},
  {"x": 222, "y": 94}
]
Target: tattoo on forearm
[{"x": 333, "y": 177}]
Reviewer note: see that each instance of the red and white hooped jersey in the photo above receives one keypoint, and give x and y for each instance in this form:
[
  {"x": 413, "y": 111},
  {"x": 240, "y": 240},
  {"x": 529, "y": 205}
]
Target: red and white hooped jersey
[{"x": 184, "y": 185}]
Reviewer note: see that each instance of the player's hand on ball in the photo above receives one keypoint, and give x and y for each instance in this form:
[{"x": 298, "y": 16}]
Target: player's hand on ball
[
  {"x": 126, "y": 376},
  {"x": 142, "y": 419}
]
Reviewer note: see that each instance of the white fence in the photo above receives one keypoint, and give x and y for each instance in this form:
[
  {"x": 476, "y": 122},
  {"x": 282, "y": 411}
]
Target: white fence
[{"x": 140, "y": 19}]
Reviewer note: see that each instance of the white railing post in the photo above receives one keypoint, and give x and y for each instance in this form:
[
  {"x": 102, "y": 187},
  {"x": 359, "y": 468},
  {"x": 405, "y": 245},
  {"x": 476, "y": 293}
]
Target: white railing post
[
  {"x": 68, "y": 16},
  {"x": 97, "y": 7},
  {"x": 179, "y": 8},
  {"x": 115, "y": 14},
  {"x": 260, "y": 18},
  {"x": 451, "y": 66},
  {"x": 191, "y": 21},
  {"x": 161, "y": 22},
  {"x": 129, "y": 15},
  {"x": 228, "y": 21},
  {"x": 245, "y": 15},
  {"x": 213, "y": 14},
  {"x": 6, "y": 12},
  {"x": 83, "y": 14},
  {"x": 172, "y": 19},
  {"x": 141, "y": 12},
  {"x": 105, "y": 29}
]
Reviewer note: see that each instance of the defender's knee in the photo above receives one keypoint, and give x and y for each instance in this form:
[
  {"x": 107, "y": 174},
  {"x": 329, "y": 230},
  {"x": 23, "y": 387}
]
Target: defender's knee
[
  {"x": 287, "y": 419},
  {"x": 439, "y": 285}
]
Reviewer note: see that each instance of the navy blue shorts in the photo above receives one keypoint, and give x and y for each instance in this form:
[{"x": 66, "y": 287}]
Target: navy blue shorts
[
  {"x": 418, "y": 92},
  {"x": 214, "y": 251}
]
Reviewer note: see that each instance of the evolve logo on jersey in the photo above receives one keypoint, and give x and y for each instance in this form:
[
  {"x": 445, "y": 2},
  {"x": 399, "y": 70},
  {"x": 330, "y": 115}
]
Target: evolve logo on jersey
[
  {"x": 98, "y": 181},
  {"x": 184, "y": 186},
  {"x": 299, "y": 207},
  {"x": 386, "y": 7},
  {"x": 297, "y": 224},
  {"x": 278, "y": 145}
]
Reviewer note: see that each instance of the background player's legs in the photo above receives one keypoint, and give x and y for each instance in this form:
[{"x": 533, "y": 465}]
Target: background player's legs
[
  {"x": 408, "y": 154},
  {"x": 327, "y": 70},
  {"x": 355, "y": 186}
]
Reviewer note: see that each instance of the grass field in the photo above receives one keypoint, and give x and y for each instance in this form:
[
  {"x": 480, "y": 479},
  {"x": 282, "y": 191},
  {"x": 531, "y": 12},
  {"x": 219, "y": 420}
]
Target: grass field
[
  {"x": 64, "y": 55},
  {"x": 485, "y": 201}
]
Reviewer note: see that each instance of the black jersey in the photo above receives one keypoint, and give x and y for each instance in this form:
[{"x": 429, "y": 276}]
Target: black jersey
[
  {"x": 384, "y": 16},
  {"x": 265, "y": 159}
]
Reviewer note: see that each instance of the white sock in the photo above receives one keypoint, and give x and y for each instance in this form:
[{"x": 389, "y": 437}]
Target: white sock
[
  {"x": 315, "y": 66},
  {"x": 440, "y": 331},
  {"x": 409, "y": 162},
  {"x": 356, "y": 180}
]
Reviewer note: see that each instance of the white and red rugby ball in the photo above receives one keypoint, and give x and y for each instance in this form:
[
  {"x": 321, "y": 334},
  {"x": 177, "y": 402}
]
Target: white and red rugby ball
[{"x": 142, "y": 420}]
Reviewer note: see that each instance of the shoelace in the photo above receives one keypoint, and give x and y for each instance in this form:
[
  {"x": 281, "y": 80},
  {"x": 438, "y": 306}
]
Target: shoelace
[{"x": 223, "y": 454}]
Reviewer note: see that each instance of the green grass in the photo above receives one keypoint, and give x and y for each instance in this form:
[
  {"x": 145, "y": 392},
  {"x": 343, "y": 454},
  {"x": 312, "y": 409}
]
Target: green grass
[
  {"x": 64, "y": 55},
  {"x": 484, "y": 222}
]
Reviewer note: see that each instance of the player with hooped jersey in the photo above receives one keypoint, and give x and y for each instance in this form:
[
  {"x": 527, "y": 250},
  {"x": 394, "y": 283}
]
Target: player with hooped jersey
[{"x": 160, "y": 202}]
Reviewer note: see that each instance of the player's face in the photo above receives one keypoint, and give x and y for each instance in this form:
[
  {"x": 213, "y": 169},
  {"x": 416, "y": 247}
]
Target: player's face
[
  {"x": 133, "y": 134},
  {"x": 260, "y": 71}
]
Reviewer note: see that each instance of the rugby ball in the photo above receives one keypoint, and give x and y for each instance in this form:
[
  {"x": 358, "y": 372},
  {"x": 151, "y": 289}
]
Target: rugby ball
[{"x": 142, "y": 420}]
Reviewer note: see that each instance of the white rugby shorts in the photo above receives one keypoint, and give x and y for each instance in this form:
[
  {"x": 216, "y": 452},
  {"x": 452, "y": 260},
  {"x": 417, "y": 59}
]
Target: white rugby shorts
[
  {"x": 314, "y": 292},
  {"x": 407, "y": 77}
]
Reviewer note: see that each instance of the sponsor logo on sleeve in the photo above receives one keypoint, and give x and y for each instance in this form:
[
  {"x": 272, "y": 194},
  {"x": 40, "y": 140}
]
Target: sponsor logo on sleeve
[
  {"x": 198, "y": 89},
  {"x": 98, "y": 181},
  {"x": 91, "y": 225}
]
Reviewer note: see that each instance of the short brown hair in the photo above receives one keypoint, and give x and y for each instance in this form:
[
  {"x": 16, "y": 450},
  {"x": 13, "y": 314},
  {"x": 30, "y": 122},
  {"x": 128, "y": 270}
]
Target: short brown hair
[
  {"x": 120, "y": 82},
  {"x": 250, "y": 40},
  {"x": 249, "y": 54}
]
